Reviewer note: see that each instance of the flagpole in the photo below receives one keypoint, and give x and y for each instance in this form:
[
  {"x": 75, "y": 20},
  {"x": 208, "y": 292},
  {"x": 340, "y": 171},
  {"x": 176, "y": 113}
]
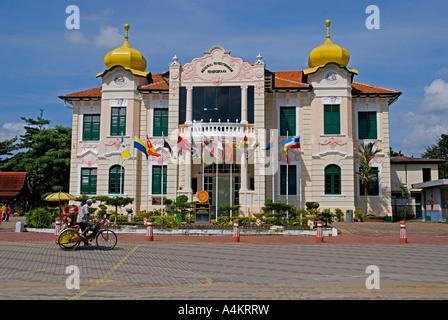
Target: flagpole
[
  {"x": 133, "y": 178},
  {"x": 273, "y": 169},
  {"x": 287, "y": 175},
  {"x": 231, "y": 182},
  {"x": 217, "y": 186},
  {"x": 177, "y": 168},
  {"x": 161, "y": 191}
]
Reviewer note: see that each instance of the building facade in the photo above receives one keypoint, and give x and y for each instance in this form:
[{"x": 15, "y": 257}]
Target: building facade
[{"x": 212, "y": 119}]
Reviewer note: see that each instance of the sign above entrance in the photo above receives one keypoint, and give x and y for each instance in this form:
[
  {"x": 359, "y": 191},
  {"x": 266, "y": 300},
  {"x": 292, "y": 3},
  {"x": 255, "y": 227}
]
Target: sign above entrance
[
  {"x": 217, "y": 66},
  {"x": 202, "y": 196}
]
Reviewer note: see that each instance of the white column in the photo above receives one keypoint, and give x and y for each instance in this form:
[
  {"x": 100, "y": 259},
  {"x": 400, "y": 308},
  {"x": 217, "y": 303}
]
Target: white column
[
  {"x": 243, "y": 189},
  {"x": 244, "y": 104},
  {"x": 189, "y": 115}
]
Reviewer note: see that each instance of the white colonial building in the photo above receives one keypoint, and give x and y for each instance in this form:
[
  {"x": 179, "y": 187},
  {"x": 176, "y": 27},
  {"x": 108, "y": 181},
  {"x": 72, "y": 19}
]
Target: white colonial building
[{"x": 221, "y": 99}]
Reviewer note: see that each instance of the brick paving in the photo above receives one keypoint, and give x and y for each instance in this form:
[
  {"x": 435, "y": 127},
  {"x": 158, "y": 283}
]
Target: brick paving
[{"x": 32, "y": 266}]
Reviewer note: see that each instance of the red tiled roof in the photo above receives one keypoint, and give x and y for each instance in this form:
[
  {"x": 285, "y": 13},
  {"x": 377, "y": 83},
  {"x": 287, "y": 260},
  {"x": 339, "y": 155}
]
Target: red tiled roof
[
  {"x": 11, "y": 183},
  {"x": 158, "y": 83},
  {"x": 282, "y": 79},
  {"x": 289, "y": 79},
  {"x": 90, "y": 93},
  {"x": 361, "y": 88}
]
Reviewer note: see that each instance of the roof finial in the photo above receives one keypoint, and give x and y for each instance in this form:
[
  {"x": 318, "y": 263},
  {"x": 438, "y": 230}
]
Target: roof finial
[
  {"x": 328, "y": 23},
  {"x": 126, "y": 27}
]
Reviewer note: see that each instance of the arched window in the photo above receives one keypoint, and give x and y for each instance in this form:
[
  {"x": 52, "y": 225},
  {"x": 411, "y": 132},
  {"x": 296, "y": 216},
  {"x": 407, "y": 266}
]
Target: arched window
[
  {"x": 332, "y": 179},
  {"x": 116, "y": 179}
]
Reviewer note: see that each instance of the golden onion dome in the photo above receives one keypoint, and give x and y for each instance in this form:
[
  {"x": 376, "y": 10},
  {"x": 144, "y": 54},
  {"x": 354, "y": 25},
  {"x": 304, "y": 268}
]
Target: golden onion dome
[
  {"x": 126, "y": 57},
  {"x": 326, "y": 53}
]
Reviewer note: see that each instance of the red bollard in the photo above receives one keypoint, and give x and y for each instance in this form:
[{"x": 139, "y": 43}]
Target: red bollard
[
  {"x": 57, "y": 229},
  {"x": 319, "y": 235},
  {"x": 236, "y": 231},
  {"x": 403, "y": 236},
  {"x": 149, "y": 230}
]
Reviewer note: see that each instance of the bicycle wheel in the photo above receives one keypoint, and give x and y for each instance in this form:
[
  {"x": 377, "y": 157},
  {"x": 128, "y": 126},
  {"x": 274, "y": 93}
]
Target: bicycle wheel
[
  {"x": 106, "y": 239},
  {"x": 68, "y": 239}
]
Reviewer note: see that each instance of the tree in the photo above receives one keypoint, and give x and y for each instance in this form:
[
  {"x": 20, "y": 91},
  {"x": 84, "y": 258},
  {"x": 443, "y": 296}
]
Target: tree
[
  {"x": 6, "y": 148},
  {"x": 366, "y": 153},
  {"x": 439, "y": 151},
  {"x": 392, "y": 153},
  {"x": 44, "y": 154},
  {"x": 279, "y": 208},
  {"x": 181, "y": 206},
  {"x": 118, "y": 202}
]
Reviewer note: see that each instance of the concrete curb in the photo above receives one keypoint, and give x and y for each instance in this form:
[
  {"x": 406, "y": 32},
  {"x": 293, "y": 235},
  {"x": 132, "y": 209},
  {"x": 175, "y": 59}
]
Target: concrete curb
[{"x": 213, "y": 232}]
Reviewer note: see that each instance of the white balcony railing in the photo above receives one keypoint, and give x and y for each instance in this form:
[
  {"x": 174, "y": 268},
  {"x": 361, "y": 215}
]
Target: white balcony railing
[{"x": 199, "y": 129}]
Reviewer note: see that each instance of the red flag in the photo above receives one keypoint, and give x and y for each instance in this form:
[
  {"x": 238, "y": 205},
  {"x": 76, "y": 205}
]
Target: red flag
[
  {"x": 184, "y": 144},
  {"x": 230, "y": 151}
]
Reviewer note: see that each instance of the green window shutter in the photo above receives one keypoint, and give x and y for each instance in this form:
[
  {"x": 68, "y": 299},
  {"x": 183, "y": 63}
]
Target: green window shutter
[
  {"x": 157, "y": 181},
  {"x": 292, "y": 180},
  {"x": 91, "y": 127},
  {"x": 115, "y": 181},
  {"x": 160, "y": 122},
  {"x": 287, "y": 121},
  {"x": 88, "y": 181},
  {"x": 332, "y": 179},
  {"x": 332, "y": 119},
  {"x": 118, "y": 122},
  {"x": 367, "y": 125}
]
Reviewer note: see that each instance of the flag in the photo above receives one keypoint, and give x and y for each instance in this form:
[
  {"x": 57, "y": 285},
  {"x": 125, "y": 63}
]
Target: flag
[
  {"x": 151, "y": 151},
  {"x": 124, "y": 151},
  {"x": 183, "y": 144},
  {"x": 286, "y": 154},
  {"x": 230, "y": 151},
  {"x": 210, "y": 146},
  {"x": 243, "y": 143},
  {"x": 167, "y": 146},
  {"x": 293, "y": 143},
  {"x": 140, "y": 145},
  {"x": 255, "y": 146},
  {"x": 271, "y": 143}
]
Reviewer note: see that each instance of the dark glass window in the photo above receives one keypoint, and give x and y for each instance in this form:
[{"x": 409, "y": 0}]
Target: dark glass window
[{"x": 216, "y": 103}]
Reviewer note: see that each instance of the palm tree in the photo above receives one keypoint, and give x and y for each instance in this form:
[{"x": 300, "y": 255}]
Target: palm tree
[{"x": 366, "y": 153}]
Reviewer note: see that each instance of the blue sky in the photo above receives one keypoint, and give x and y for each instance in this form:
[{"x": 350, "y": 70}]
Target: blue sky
[{"x": 41, "y": 59}]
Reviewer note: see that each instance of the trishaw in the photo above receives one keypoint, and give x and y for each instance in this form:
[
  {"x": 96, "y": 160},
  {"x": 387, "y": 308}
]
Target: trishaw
[{"x": 69, "y": 237}]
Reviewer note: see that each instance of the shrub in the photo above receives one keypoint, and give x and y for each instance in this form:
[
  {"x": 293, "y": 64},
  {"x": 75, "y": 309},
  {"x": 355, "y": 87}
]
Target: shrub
[
  {"x": 120, "y": 218},
  {"x": 326, "y": 216},
  {"x": 39, "y": 218},
  {"x": 339, "y": 214}
]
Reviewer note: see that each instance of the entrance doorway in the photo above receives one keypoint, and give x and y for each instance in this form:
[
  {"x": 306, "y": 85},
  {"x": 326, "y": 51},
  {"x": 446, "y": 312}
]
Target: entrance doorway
[{"x": 224, "y": 184}]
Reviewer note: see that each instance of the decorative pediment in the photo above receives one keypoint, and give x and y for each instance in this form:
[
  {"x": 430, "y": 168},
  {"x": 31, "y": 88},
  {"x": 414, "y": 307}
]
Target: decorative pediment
[{"x": 217, "y": 67}]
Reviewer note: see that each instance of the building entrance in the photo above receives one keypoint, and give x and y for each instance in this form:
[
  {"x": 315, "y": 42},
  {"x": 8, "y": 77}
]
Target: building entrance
[{"x": 222, "y": 183}]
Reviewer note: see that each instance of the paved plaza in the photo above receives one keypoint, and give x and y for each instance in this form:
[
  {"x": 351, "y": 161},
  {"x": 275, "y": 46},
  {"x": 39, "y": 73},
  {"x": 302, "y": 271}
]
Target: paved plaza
[{"x": 214, "y": 268}]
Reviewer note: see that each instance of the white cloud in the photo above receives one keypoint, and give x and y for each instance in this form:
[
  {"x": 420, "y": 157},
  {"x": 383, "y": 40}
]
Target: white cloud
[
  {"x": 11, "y": 129},
  {"x": 76, "y": 37},
  {"x": 429, "y": 121},
  {"x": 109, "y": 37}
]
